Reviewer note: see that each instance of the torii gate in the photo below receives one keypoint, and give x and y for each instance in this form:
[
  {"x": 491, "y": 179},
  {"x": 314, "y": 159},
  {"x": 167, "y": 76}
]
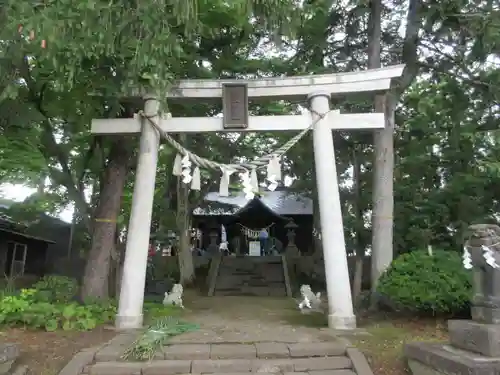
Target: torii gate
[{"x": 318, "y": 90}]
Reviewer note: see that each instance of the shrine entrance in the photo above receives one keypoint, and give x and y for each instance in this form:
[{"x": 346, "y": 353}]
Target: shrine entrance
[
  {"x": 286, "y": 218},
  {"x": 316, "y": 92}
]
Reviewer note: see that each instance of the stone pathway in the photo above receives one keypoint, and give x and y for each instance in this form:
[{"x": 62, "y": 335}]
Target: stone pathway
[
  {"x": 237, "y": 336},
  {"x": 247, "y": 320}
]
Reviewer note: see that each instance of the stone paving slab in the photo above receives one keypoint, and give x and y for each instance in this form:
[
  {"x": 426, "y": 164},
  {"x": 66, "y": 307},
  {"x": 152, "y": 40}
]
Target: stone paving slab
[
  {"x": 249, "y": 351},
  {"x": 359, "y": 362},
  {"x": 79, "y": 362},
  {"x": 167, "y": 367},
  {"x": 214, "y": 366},
  {"x": 227, "y": 351},
  {"x": 273, "y": 365},
  {"x": 115, "y": 347},
  {"x": 235, "y": 320},
  {"x": 188, "y": 351},
  {"x": 116, "y": 368},
  {"x": 316, "y": 349},
  {"x": 330, "y": 372},
  {"x": 272, "y": 350},
  {"x": 327, "y": 363},
  {"x": 21, "y": 370},
  {"x": 8, "y": 352},
  {"x": 221, "y": 365}
]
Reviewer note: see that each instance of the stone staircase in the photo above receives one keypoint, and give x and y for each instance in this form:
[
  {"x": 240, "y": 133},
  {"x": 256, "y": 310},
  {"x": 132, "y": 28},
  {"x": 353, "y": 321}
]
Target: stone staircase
[
  {"x": 312, "y": 358},
  {"x": 9, "y": 354},
  {"x": 251, "y": 276}
]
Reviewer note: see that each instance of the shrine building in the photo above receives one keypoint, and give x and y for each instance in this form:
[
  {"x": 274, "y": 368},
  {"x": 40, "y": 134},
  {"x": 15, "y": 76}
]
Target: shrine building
[{"x": 240, "y": 222}]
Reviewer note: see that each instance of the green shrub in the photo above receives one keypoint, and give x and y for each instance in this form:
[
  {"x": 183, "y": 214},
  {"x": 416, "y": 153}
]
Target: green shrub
[
  {"x": 57, "y": 289},
  {"x": 420, "y": 283},
  {"x": 26, "y": 310}
]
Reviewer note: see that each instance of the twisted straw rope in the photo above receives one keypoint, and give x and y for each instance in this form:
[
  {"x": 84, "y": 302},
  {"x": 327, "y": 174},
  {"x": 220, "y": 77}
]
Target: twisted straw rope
[{"x": 254, "y": 164}]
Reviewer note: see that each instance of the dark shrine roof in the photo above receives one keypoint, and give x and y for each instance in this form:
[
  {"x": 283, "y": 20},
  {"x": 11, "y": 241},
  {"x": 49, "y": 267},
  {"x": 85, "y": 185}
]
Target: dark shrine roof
[{"x": 280, "y": 202}]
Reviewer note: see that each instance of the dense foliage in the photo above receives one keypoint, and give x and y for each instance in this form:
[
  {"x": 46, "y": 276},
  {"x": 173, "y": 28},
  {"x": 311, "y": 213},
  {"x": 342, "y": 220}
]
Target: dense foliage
[
  {"x": 427, "y": 284},
  {"x": 52, "y": 304},
  {"x": 55, "y": 289},
  {"x": 64, "y": 63},
  {"x": 51, "y": 307}
]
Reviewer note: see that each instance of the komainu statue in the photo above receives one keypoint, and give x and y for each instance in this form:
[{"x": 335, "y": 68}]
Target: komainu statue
[{"x": 482, "y": 254}]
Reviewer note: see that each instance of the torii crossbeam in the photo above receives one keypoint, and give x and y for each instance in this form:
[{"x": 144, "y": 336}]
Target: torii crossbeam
[{"x": 317, "y": 90}]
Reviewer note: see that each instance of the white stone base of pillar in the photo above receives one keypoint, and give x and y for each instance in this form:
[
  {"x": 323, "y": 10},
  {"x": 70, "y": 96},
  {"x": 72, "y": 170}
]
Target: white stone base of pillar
[
  {"x": 342, "y": 322},
  {"x": 128, "y": 322}
]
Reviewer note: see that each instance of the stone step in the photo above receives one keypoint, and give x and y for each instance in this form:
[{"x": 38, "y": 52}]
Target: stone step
[
  {"x": 251, "y": 276},
  {"x": 248, "y": 285},
  {"x": 269, "y": 259},
  {"x": 20, "y": 370},
  {"x": 231, "y": 275},
  {"x": 245, "y": 278},
  {"x": 251, "y": 291},
  {"x": 317, "y": 372},
  {"x": 250, "y": 271},
  {"x": 250, "y": 266},
  {"x": 267, "y": 350},
  {"x": 226, "y": 284},
  {"x": 8, "y": 356},
  {"x": 7, "y": 367},
  {"x": 226, "y": 366}
]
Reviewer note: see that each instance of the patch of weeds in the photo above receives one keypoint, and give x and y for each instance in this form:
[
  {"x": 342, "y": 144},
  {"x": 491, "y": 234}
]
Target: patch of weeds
[
  {"x": 385, "y": 342},
  {"x": 314, "y": 318},
  {"x": 155, "y": 311},
  {"x": 306, "y": 319},
  {"x": 30, "y": 311},
  {"x": 155, "y": 337},
  {"x": 9, "y": 286}
]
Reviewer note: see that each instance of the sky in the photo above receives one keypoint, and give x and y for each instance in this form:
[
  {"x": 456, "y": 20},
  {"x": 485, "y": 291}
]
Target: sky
[{"x": 19, "y": 193}]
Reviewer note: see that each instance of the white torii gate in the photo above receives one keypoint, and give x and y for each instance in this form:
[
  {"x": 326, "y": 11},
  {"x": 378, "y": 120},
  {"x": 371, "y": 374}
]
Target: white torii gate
[{"x": 318, "y": 90}]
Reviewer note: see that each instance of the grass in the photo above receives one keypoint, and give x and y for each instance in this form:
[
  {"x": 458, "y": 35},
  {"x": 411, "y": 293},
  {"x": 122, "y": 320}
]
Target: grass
[
  {"x": 154, "y": 311},
  {"x": 45, "y": 353},
  {"x": 306, "y": 319},
  {"x": 386, "y": 338}
]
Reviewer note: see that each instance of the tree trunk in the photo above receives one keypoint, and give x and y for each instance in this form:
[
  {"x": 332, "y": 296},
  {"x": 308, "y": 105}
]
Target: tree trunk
[
  {"x": 72, "y": 232},
  {"x": 383, "y": 193},
  {"x": 383, "y": 199},
  {"x": 186, "y": 267},
  {"x": 317, "y": 240},
  {"x": 115, "y": 276},
  {"x": 95, "y": 281},
  {"x": 359, "y": 226}
]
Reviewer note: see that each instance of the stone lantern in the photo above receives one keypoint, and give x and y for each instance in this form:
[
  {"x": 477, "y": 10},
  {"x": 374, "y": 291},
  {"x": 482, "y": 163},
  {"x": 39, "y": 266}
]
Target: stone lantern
[
  {"x": 291, "y": 248},
  {"x": 213, "y": 236}
]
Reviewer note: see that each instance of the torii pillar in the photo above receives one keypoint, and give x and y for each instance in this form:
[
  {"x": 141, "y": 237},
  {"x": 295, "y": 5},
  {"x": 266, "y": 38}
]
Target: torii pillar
[
  {"x": 338, "y": 286},
  {"x": 136, "y": 254},
  {"x": 317, "y": 90}
]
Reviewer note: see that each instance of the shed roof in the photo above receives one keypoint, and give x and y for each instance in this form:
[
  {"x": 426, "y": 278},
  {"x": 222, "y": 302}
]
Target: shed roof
[
  {"x": 280, "y": 202},
  {"x": 27, "y": 236}
]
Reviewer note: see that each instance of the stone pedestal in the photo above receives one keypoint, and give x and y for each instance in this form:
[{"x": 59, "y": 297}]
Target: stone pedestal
[
  {"x": 474, "y": 347},
  {"x": 8, "y": 356}
]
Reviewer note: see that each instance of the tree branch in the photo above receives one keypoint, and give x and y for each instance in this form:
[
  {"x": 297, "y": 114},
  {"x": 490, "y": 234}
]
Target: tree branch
[
  {"x": 410, "y": 47},
  {"x": 48, "y": 145}
]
